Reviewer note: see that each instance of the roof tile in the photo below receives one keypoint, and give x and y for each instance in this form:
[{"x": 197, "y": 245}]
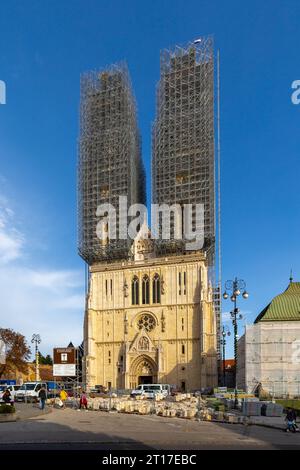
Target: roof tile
[{"x": 284, "y": 307}]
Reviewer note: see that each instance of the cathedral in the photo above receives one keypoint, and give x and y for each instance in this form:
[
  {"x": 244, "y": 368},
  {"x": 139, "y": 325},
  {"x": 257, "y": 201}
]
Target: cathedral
[
  {"x": 150, "y": 320},
  {"x": 151, "y": 313}
]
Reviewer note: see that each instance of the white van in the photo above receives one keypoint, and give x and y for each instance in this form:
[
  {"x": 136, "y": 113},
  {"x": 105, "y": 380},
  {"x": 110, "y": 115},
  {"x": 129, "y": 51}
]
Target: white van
[
  {"x": 29, "y": 391},
  {"x": 12, "y": 388},
  {"x": 166, "y": 389},
  {"x": 149, "y": 390}
]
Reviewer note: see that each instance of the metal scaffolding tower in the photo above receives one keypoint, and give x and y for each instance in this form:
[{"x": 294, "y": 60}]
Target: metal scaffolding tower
[
  {"x": 183, "y": 154},
  {"x": 183, "y": 161},
  {"x": 109, "y": 163}
]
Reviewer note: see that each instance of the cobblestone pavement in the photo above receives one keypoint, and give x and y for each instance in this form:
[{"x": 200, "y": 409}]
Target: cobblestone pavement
[
  {"x": 71, "y": 429},
  {"x": 30, "y": 410}
]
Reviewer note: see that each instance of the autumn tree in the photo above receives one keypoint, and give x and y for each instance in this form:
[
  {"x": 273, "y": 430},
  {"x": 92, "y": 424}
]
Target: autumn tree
[{"x": 17, "y": 352}]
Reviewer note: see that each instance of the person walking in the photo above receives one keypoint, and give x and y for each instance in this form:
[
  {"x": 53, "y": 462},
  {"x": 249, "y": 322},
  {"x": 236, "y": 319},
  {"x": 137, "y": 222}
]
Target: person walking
[
  {"x": 83, "y": 401},
  {"x": 290, "y": 420},
  {"x": 57, "y": 402},
  {"x": 42, "y": 397},
  {"x": 63, "y": 396},
  {"x": 294, "y": 415}
]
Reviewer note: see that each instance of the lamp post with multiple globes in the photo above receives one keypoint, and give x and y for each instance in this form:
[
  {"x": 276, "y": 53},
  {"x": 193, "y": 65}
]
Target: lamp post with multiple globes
[
  {"x": 37, "y": 340},
  {"x": 233, "y": 289}
]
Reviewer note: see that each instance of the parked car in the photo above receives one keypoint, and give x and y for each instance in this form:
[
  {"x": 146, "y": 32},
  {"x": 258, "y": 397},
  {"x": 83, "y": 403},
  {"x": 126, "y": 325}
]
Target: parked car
[
  {"x": 149, "y": 390},
  {"x": 52, "y": 389},
  {"x": 101, "y": 389},
  {"x": 11, "y": 388},
  {"x": 166, "y": 389},
  {"x": 30, "y": 391},
  {"x": 98, "y": 391},
  {"x": 2, "y": 389},
  {"x": 137, "y": 391}
]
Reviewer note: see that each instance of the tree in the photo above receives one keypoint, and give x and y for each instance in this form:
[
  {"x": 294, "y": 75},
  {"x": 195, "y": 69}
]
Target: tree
[
  {"x": 48, "y": 360},
  {"x": 17, "y": 352},
  {"x": 45, "y": 360}
]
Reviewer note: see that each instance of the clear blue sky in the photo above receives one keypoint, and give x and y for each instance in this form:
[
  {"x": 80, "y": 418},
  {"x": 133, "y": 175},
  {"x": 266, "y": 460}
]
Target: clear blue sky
[{"x": 44, "y": 46}]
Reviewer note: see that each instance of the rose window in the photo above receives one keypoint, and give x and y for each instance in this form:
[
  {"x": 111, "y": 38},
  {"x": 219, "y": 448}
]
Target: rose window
[{"x": 147, "y": 322}]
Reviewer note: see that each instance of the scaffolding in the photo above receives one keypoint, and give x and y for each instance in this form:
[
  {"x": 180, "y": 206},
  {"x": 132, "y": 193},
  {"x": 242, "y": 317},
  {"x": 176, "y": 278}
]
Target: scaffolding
[
  {"x": 218, "y": 315},
  {"x": 183, "y": 156},
  {"x": 109, "y": 163},
  {"x": 183, "y": 161},
  {"x": 269, "y": 358}
]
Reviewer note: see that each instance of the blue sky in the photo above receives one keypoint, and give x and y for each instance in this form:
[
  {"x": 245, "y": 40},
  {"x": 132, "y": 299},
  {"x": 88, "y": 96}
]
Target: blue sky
[{"x": 44, "y": 46}]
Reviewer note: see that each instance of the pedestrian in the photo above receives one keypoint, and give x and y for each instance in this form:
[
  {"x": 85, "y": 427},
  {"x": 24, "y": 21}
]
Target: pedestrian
[
  {"x": 83, "y": 401},
  {"x": 42, "y": 396},
  {"x": 6, "y": 397},
  {"x": 294, "y": 414},
  {"x": 290, "y": 420},
  {"x": 63, "y": 396}
]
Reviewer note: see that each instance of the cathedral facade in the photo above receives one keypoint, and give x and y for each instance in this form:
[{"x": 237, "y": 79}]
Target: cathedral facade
[
  {"x": 150, "y": 320},
  {"x": 152, "y": 314}
]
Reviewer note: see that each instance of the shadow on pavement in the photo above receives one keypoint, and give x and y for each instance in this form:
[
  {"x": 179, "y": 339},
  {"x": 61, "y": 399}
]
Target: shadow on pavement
[
  {"x": 273, "y": 438},
  {"x": 37, "y": 434},
  {"x": 101, "y": 431}
]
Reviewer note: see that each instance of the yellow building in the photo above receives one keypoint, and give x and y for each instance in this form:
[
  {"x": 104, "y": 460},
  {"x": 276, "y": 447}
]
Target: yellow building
[{"x": 150, "y": 320}]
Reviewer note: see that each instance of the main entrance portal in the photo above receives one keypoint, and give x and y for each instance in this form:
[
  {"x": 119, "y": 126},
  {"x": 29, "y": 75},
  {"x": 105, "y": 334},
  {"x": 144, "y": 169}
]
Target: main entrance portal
[
  {"x": 145, "y": 379},
  {"x": 143, "y": 370}
]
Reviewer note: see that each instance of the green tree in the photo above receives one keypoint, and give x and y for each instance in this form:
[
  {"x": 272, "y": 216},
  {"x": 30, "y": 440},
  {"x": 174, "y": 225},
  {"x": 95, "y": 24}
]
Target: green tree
[
  {"x": 49, "y": 360},
  {"x": 44, "y": 360}
]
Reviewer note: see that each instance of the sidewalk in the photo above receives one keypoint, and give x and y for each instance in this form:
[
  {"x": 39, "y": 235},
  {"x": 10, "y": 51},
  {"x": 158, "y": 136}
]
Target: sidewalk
[
  {"x": 268, "y": 421},
  {"x": 27, "y": 411}
]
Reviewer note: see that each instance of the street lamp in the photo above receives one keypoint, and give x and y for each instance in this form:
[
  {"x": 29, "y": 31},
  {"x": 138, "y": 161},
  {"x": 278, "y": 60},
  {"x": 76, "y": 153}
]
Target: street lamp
[
  {"x": 235, "y": 287},
  {"x": 36, "y": 339},
  {"x": 224, "y": 333}
]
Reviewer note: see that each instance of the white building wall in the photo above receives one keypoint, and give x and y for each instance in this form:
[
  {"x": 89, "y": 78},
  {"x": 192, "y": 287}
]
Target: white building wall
[{"x": 271, "y": 357}]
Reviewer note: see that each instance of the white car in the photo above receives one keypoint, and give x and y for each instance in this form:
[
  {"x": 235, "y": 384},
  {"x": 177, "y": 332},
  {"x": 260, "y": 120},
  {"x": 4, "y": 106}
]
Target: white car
[
  {"x": 29, "y": 391},
  {"x": 12, "y": 388},
  {"x": 149, "y": 390}
]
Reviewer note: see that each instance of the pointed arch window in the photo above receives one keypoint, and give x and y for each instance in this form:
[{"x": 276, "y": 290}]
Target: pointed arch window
[
  {"x": 135, "y": 291},
  {"x": 156, "y": 289},
  {"x": 145, "y": 290}
]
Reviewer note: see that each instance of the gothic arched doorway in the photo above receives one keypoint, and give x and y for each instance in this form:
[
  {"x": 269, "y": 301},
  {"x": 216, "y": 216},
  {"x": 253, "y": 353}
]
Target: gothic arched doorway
[{"x": 143, "y": 370}]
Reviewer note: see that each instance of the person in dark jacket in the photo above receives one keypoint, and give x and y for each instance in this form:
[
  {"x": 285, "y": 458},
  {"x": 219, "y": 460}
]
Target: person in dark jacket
[
  {"x": 294, "y": 413},
  {"x": 43, "y": 396},
  {"x": 291, "y": 420},
  {"x": 6, "y": 397}
]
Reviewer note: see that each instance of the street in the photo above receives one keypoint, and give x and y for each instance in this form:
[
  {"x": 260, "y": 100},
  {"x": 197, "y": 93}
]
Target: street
[{"x": 70, "y": 429}]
